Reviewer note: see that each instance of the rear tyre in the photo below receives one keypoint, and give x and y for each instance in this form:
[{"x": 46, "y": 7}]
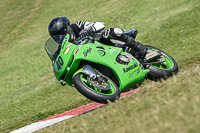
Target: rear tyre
[
  {"x": 94, "y": 91},
  {"x": 162, "y": 70}
]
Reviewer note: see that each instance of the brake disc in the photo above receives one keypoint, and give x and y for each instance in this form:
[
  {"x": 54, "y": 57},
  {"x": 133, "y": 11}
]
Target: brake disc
[{"x": 104, "y": 85}]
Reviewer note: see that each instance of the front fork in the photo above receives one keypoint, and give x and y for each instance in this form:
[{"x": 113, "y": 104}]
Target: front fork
[{"x": 89, "y": 71}]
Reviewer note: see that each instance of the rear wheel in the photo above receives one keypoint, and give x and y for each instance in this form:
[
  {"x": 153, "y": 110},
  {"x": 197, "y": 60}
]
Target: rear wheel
[
  {"x": 99, "y": 91},
  {"x": 162, "y": 70}
]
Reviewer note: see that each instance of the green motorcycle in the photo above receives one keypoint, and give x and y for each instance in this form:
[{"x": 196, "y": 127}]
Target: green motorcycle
[{"x": 101, "y": 72}]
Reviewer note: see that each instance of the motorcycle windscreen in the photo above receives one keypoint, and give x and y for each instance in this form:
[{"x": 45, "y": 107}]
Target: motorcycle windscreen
[{"x": 53, "y": 46}]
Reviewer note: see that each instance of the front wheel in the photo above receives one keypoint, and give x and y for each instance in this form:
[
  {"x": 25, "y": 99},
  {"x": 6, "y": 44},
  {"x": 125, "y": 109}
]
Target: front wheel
[
  {"x": 102, "y": 92},
  {"x": 162, "y": 70}
]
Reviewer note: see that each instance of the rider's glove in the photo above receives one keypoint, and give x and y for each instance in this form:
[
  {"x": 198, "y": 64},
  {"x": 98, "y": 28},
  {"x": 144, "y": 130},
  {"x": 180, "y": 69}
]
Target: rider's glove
[
  {"x": 83, "y": 33},
  {"x": 90, "y": 30},
  {"x": 86, "y": 32}
]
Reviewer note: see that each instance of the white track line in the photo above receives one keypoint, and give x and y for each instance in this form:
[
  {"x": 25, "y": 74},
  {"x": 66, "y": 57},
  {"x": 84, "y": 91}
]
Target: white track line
[{"x": 39, "y": 125}]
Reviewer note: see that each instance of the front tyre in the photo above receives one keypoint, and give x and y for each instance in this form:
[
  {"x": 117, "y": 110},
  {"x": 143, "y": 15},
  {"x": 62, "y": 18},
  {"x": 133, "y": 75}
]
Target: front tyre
[
  {"x": 94, "y": 90},
  {"x": 162, "y": 70}
]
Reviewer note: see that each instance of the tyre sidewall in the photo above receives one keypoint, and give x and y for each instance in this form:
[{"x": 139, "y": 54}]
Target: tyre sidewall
[
  {"x": 87, "y": 92},
  {"x": 156, "y": 73}
]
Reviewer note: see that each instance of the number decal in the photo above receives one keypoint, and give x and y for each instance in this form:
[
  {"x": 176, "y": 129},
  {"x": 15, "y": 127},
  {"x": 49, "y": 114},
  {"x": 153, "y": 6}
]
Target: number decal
[
  {"x": 60, "y": 60},
  {"x": 59, "y": 63}
]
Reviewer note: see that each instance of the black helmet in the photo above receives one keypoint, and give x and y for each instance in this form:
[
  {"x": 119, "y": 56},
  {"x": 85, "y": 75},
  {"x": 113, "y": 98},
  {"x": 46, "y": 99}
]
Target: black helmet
[{"x": 59, "y": 26}]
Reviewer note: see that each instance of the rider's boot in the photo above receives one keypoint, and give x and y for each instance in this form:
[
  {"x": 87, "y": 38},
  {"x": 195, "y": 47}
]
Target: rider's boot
[
  {"x": 145, "y": 52},
  {"x": 116, "y": 36},
  {"x": 136, "y": 46},
  {"x": 132, "y": 33}
]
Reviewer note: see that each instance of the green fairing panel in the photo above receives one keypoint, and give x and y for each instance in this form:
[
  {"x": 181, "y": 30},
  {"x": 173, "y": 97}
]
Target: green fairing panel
[
  {"x": 60, "y": 65},
  {"x": 102, "y": 54}
]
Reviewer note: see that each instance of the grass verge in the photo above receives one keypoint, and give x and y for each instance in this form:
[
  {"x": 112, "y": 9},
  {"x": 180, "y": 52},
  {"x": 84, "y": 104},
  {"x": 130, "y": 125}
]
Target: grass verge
[
  {"x": 28, "y": 89},
  {"x": 169, "y": 106}
]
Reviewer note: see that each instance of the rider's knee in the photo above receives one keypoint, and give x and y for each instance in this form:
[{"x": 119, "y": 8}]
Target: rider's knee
[
  {"x": 112, "y": 33},
  {"x": 118, "y": 32}
]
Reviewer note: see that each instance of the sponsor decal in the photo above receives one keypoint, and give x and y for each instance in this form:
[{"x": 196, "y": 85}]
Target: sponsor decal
[
  {"x": 135, "y": 72},
  {"x": 112, "y": 50},
  {"x": 69, "y": 45},
  {"x": 117, "y": 51},
  {"x": 86, "y": 52},
  {"x": 101, "y": 53},
  {"x": 77, "y": 50},
  {"x": 59, "y": 63},
  {"x": 66, "y": 50},
  {"x": 130, "y": 68},
  {"x": 65, "y": 38},
  {"x": 65, "y": 41},
  {"x": 63, "y": 45},
  {"x": 54, "y": 70}
]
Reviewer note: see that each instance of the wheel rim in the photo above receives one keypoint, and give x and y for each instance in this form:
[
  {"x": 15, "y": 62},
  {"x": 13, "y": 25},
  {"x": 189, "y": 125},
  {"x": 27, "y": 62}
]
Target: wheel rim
[
  {"x": 167, "y": 65},
  {"x": 110, "y": 91}
]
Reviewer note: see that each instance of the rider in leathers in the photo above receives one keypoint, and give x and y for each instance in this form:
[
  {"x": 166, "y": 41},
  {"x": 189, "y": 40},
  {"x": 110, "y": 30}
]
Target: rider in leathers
[{"x": 80, "y": 29}]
